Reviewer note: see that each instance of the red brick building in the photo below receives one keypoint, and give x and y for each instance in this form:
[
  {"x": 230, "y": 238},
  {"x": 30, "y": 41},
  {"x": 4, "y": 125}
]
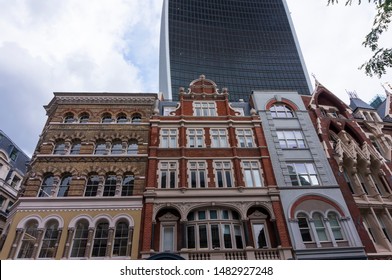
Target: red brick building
[{"x": 210, "y": 190}]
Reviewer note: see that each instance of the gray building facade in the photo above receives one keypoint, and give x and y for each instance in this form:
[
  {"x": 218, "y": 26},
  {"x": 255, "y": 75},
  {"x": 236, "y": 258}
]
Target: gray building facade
[{"x": 317, "y": 216}]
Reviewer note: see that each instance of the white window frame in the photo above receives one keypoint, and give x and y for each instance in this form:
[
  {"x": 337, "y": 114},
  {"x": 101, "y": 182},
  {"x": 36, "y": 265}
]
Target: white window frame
[
  {"x": 221, "y": 136},
  {"x": 197, "y": 167},
  {"x": 168, "y": 167},
  {"x": 280, "y": 110},
  {"x": 255, "y": 175},
  {"x": 225, "y": 168},
  {"x": 308, "y": 174},
  {"x": 294, "y": 141},
  {"x": 195, "y": 138},
  {"x": 173, "y": 227},
  {"x": 168, "y": 138},
  {"x": 204, "y": 109},
  {"x": 245, "y": 137}
]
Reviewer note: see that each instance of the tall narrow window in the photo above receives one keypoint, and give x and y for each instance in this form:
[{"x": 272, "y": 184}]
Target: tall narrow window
[
  {"x": 252, "y": 174},
  {"x": 223, "y": 171},
  {"x": 197, "y": 174},
  {"x": 303, "y": 174},
  {"x": 80, "y": 240},
  {"x": 15, "y": 181},
  {"x": 64, "y": 185},
  {"x": 127, "y": 185},
  {"x": 219, "y": 138},
  {"x": 59, "y": 148},
  {"x": 319, "y": 225},
  {"x": 132, "y": 147},
  {"x": 168, "y": 238},
  {"x": 110, "y": 185},
  {"x": 281, "y": 111},
  {"x": 117, "y": 147},
  {"x": 245, "y": 137},
  {"x": 100, "y": 147},
  {"x": 335, "y": 226},
  {"x": 75, "y": 148},
  {"x": 29, "y": 238},
  {"x": 168, "y": 175},
  {"x": 92, "y": 185},
  {"x": 303, "y": 224},
  {"x": 46, "y": 186},
  {"x": 195, "y": 137},
  {"x": 120, "y": 246},
  {"x": 259, "y": 236},
  {"x": 100, "y": 240},
  {"x": 204, "y": 109},
  {"x": 168, "y": 138},
  {"x": 348, "y": 180},
  {"x": 384, "y": 229},
  {"x": 48, "y": 248}
]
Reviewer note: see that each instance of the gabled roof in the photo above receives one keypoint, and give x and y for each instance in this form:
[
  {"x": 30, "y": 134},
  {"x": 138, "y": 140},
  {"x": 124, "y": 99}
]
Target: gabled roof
[{"x": 356, "y": 103}]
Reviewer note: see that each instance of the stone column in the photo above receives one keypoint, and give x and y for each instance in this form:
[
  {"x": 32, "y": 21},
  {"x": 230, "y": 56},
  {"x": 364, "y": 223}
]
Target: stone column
[
  {"x": 246, "y": 233},
  {"x": 18, "y": 238},
  {"x": 66, "y": 253},
  {"x": 90, "y": 240},
  {"x": 109, "y": 247},
  {"x": 55, "y": 187},
  {"x": 100, "y": 185},
  {"x": 130, "y": 238},
  {"x": 40, "y": 233},
  {"x": 56, "y": 245}
]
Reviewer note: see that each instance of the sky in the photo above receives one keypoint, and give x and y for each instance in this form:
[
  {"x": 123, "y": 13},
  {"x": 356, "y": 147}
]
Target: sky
[{"x": 51, "y": 46}]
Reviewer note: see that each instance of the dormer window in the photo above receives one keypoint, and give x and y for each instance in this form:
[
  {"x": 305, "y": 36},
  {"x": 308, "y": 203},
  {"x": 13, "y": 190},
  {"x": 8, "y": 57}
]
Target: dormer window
[{"x": 204, "y": 109}]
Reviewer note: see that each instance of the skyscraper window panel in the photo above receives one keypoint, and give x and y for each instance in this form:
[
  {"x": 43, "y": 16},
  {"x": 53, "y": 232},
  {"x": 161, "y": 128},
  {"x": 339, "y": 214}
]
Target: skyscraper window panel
[{"x": 246, "y": 37}]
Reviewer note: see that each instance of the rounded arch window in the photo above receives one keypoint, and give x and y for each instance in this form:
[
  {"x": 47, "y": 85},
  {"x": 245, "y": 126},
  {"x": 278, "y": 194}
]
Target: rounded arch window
[
  {"x": 46, "y": 186},
  {"x": 215, "y": 228},
  {"x": 100, "y": 239},
  {"x": 80, "y": 239},
  {"x": 117, "y": 147},
  {"x": 75, "y": 147},
  {"x": 100, "y": 147},
  {"x": 127, "y": 185},
  {"x": 64, "y": 185},
  {"x": 29, "y": 239},
  {"x": 110, "y": 185},
  {"x": 319, "y": 225},
  {"x": 334, "y": 223},
  {"x": 122, "y": 118},
  {"x": 132, "y": 147},
  {"x": 50, "y": 239},
  {"x": 59, "y": 147},
  {"x": 279, "y": 110},
  {"x": 69, "y": 118},
  {"x": 121, "y": 235},
  {"x": 84, "y": 117},
  {"x": 304, "y": 227},
  {"x": 106, "y": 118},
  {"x": 136, "y": 118},
  {"x": 92, "y": 185}
]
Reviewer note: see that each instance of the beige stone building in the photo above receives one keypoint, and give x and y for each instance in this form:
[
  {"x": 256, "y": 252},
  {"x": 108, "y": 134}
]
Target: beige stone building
[{"x": 82, "y": 197}]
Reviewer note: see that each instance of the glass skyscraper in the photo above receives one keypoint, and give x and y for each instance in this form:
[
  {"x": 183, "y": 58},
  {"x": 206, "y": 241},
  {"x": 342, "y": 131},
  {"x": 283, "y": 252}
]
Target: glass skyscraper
[{"x": 242, "y": 45}]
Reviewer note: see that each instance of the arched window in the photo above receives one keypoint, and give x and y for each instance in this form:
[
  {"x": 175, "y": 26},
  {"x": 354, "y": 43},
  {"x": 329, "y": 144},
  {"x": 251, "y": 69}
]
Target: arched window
[
  {"x": 59, "y": 148},
  {"x": 84, "y": 117},
  {"x": 49, "y": 247},
  {"x": 75, "y": 148},
  {"x": 29, "y": 238},
  {"x": 100, "y": 240},
  {"x": 69, "y": 118},
  {"x": 80, "y": 240},
  {"x": 281, "y": 111},
  {"x": 110, "y": 185},
  {"x": 132, "y": 147},
  {"x": 122, "y": 118},
  {"x": 319, "y": 225},
  {"x": 304, "y": 228},
  {"x": 92, "y": 185},
  {"x": 136, "y": 118},
  {"x": 107, "y": 118},
  {"x": 127, "y": 185},
  {"x": 335, "y": 226},
  {"x": 100, "y": 147},
  {"x": 120, "y": 246},
  {"x": 64, "y": 185},
  {"x": 117, "y": 147},
  {"x": 214, "y": 229},
  {"x": 46, "y": 186}
]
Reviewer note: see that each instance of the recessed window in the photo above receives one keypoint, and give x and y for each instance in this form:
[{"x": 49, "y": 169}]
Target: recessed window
[
  {"x": 122, "y": 118},
  {"x": 304, "y": 228},
  {"x": 245, "y": 137},
  {"x": 136, "y": 118},
  {"x": 132, "y": 147},
  {"x": 100, "y": 240},
  {"x": 252, "y": 174},
  {"x": 197, "y": 174},
  {"x": 168, "y": 138},
  {"x": 15, "y": 181},
  {"x": 75, "y": 148},
  {"x": 14, "y": 154},
  {"x": 195, "y": 137},
  {"x": 69, "y": 118},
  {"x": 117, "y": 147},
  {"x": 335, "y": 226},
  {"x": 120, "y": 244},
  {"x": 46, "y": 186},
  {"x": 80, "y": 239},
  {"x": 127, "y": 185},
  {"x": 319, "y": 226},
  {"x": 64, "y": 185},
  {"x": 291, "y": 139},
  {"x": 84, "y": 118},
  {"x": 59, "y": 148},
  {"x": 168, "y": 175},
  {"x": 281, "y": 111},
  {"x": 303, "y": 174},
  {"x": 204, "y": 109},
  {"x": 49, "y": 242},
  {"x": 223, "y": 174},
  {"x": 110, "y": 185},
  {"x": 219, "y": 138},
  {"x": 107, "y": 118},
  {"x": 29, "y": 239},
  {"x": 92, "y": 185},
  {"x": 100, "y": 147}
]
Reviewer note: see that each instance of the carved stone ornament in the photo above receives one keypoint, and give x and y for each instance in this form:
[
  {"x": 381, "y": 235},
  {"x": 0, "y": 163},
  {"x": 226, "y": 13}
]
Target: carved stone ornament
[{"x": 168, "y": 217}]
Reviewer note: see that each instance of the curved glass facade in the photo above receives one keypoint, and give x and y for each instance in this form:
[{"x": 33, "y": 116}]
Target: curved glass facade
[{"x": 243, "y": 45}]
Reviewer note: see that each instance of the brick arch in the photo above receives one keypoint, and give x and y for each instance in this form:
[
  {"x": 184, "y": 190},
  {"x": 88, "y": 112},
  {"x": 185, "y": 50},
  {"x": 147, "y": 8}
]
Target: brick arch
[
  {"x": 78, "y": 135},
  {"x": 68, "y": 169},
  {"x": 112, "y": 169},
  {"x": 92, "y": 169},
  {"x": 284, "y": 101},
  {"x": 101, "y": 135},
  {"x": 49, "y": 169},
  {"x": 118, "y": 135},
  {"x": 59, "y": 136},
  {"x": 208, "y": 205},
  {"x": 314, "y": 197},
  {"x": 266, "y": 206},
  {"x": 130, "y": 169}
]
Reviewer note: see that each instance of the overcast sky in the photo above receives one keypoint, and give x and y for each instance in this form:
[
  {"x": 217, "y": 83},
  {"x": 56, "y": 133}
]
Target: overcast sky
[{"x": 51, "y": 46}]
